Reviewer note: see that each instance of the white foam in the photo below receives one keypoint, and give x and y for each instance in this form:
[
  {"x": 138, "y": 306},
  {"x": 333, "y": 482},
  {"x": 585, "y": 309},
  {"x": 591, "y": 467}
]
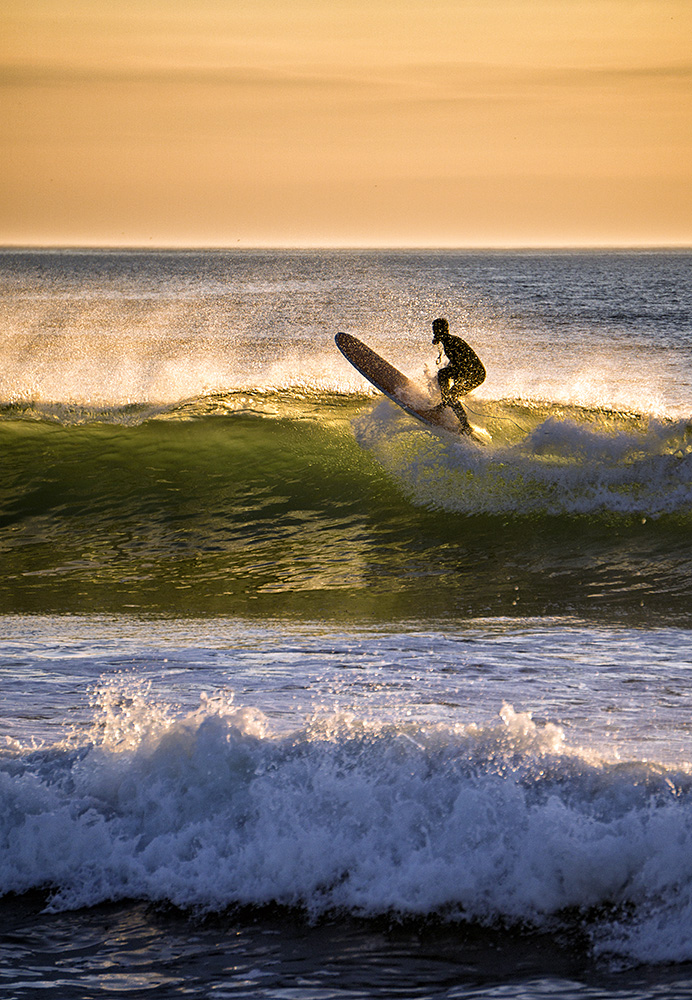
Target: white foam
[
  {"x": 211, "y": 808},
  {"x": 558, "y": 466}
]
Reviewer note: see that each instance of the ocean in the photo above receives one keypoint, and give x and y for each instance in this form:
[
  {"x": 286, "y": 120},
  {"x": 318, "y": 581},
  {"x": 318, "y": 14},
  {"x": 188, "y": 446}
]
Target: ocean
[{"x": 302, "y": 699}]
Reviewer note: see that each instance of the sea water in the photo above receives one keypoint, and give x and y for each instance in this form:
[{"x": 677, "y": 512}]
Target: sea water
[{"x": 302, "y": 699}]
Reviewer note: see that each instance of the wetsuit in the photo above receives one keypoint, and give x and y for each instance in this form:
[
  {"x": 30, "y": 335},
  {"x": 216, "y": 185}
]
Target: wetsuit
[{"x": 464, "y": 372}]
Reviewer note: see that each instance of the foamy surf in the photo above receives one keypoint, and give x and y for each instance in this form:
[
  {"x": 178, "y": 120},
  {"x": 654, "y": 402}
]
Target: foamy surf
[
  {"x": 502, "y": 823},
  {"x": 569, "y": 462}
]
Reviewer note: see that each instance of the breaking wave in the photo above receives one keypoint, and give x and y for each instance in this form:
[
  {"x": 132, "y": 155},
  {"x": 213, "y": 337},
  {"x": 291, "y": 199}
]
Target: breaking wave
[{"x": 500, "y": 824}]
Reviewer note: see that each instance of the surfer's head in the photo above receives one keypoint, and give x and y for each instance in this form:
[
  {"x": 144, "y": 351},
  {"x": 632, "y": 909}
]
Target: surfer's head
[{"x": 440, "y": 330}]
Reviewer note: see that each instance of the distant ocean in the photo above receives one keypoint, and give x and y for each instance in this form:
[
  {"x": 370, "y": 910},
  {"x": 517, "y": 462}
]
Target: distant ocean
[{"x": 302, "y": 700}]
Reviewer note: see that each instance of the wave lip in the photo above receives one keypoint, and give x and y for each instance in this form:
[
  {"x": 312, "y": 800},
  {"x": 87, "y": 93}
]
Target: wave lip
[{"x": 501, "y": 824}]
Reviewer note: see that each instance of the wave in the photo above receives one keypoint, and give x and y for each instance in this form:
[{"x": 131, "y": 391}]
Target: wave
[
  {"x": 300, "y": 402},
  {"x": 324, "y": 505},
  {"x": 498, "y": 824},
  {"x": 536, "y": 457}
]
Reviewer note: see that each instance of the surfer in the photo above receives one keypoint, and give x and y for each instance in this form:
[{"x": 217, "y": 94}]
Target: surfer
[{"x": 464, "y": 372}]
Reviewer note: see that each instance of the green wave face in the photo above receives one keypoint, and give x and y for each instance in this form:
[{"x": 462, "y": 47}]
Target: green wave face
[{"x": 306, "y": 506}]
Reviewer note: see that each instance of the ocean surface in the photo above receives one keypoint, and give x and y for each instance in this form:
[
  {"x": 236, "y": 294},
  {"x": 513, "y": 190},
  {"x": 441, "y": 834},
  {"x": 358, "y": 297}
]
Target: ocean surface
[{"x": 301, "y": 699}]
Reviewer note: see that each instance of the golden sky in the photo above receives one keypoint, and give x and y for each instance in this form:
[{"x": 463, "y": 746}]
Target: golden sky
[{"x": 346, "y": 122}]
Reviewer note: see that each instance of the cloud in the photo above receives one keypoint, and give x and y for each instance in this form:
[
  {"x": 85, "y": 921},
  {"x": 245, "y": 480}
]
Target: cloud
[{"x": 242, "y": 78}]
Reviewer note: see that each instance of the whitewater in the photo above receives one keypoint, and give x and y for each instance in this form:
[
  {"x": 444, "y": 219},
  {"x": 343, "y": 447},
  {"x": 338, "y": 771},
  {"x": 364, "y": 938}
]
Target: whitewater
[{"x": 302, "y": 698}]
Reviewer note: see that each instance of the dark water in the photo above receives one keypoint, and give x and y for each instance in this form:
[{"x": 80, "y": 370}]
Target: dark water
[
  {"x": 132, "y": 950},
  {"x": 301, "y": 699}
]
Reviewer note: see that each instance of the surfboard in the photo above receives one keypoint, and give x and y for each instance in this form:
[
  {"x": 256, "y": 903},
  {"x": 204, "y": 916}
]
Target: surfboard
[{"x": 397, "y": 386}]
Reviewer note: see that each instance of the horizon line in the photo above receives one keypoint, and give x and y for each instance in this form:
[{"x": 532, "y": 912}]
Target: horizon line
[{"x": 469, "y": 247}]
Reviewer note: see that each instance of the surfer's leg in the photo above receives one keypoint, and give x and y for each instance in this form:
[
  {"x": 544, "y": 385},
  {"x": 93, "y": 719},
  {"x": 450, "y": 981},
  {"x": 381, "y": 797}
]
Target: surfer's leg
[
  {"x": 444, "y": 378},
  {"x": 450, "y": 391},
  {"x": 454, "y": 391},
  {"x": 460, "y": 414}
]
